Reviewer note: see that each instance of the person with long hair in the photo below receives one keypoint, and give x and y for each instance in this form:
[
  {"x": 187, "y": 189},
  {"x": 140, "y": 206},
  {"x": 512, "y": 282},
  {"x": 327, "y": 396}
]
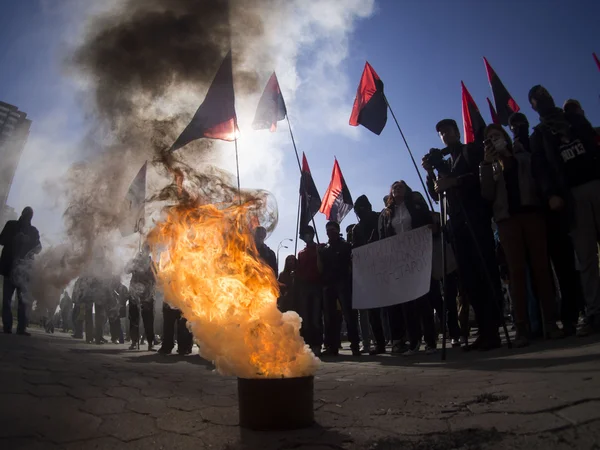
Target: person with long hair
[
  {"x": 507, "y": 182},
  {"x": 407, "y": 210}
]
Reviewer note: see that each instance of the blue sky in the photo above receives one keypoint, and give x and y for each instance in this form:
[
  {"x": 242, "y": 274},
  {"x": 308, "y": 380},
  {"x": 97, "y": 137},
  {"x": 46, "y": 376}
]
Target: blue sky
[{"x": 421, "y": 50}]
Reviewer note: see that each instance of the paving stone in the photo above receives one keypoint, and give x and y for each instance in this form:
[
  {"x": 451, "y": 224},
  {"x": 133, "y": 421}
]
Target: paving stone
[
  {"x": 168, "y": 441},
  {"x": 581, "y": 413},
  {"x": 514, "y": 423},
  {"x": 154, "y": 407},
  {"x": 126, "y": 393},
  {"x": 26, "y": 444},
  {"x": 181, "y": 421},
  {"x": 186, "y": 403},
  {"x": 86, "y": 392},
  {"x": 102, "y": 443},
  {"x": 68, "y": 426},
  {"x": 219, "y": 400},
  {"x": 221, "y": 416},
  {"x": 106, "y": 405},
  {"x": 128, "y": 426},
  {"x": 49, "y": 390}
]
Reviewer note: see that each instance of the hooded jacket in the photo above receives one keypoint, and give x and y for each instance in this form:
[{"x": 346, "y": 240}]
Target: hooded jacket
[
  {"x": 367, "y": 229},
  {"x": 19, "y": 241}
]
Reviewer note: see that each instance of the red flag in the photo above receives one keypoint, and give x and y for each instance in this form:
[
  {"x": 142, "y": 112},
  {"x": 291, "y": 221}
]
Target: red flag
[
  {"x": 337, "y": 201},
  {"x": 370, "y": 108},
  {"x": 271, "y": 107},
  {"x": 473, "y": 123},
  {"x": 493, "y": 112},
  {"x": 215, "y": 118},
  {"x": 597, "y": 60},
  {"x": 505, "y": 104}
]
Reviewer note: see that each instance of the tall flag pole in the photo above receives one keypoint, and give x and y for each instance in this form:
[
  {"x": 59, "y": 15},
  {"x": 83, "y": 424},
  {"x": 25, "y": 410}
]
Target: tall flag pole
[
  {"x": 473, "y": 123},
  {"x": 493, "y": 113},
  {"x": 135, "y": 199},
  {"x": 270, "y": 110},
  {"x": 216, "y": 117},
  {"x": 337, "y": 202},
  {"x": 597, "y": 60},
  {"x": 370, "y": 110},
  {"x": 505, "y": 104}
]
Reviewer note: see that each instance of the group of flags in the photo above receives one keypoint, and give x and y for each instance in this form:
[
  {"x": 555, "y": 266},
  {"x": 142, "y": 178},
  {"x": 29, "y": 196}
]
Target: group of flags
[{"x": 216, "y": 119}]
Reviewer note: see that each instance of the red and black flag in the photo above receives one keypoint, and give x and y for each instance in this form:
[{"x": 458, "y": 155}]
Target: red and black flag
[
  {"x": 370, "y": 107},
  {"x": 495, "y": 118},
  {"x": 505, "y": 104},
  {"x": 310, "y": 200},
  {"x": 337, "y": 202},
  {"x": 473, "y": 123},
  {"x": 597, "y": 60},
  {"x": 215, "y": 118},
  {"x": 271, "y": 107}
]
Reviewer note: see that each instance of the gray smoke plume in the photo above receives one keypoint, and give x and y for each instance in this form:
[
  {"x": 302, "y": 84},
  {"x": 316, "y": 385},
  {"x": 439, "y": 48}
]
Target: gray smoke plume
[{"x": 143, "y": 63}]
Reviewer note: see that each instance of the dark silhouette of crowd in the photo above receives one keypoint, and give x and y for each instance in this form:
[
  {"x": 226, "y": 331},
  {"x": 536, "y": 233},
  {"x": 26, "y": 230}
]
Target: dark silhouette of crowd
[{"x": 520, "y": 236}]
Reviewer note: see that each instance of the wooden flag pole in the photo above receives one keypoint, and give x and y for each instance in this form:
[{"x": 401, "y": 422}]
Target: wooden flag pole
[
  {"x": 410, "y": 153},
  {"x": 300, "y": 168}
]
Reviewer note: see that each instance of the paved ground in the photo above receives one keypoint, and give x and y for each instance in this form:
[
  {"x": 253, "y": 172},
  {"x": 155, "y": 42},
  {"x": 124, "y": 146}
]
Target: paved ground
[{"x": 57, "y": 393}]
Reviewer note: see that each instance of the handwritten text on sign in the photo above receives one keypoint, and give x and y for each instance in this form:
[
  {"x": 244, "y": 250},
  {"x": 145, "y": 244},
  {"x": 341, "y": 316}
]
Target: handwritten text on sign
[{"x": 391, "y": 271}]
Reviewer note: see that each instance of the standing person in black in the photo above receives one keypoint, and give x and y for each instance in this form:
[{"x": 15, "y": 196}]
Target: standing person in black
[
  {"x": 365, "y": 232},
  {"x": 566, "y": 165},
  {"x": 560, "y": 247},
  {"x": 265, "y": 253},
  {"x": 141, "y": 297},
  {"x": 335, "y": 262},
  {"x": 407, "y": 210},
  {"x": 174, "y": 322},
  {"x": 118, "y": 297},
  {"x": 473, "y": 239},
  {"x": 20, "y": 242}
]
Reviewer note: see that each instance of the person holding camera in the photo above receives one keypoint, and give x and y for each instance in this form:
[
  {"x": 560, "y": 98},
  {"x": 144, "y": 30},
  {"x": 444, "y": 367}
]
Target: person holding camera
[
  {"x": 470, "y": 217},
  {"x": 566, "y": 165},
  {"x": 507, "y": 183}
]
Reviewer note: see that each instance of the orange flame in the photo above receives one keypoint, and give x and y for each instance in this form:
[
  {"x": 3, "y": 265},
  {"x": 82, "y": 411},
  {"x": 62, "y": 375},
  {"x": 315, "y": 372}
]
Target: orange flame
[{"x": 211, "y": 272}]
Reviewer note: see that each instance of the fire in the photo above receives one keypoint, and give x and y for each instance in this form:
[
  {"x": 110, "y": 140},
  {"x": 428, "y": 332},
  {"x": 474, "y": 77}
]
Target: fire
[{"x": 211, "y": 271}]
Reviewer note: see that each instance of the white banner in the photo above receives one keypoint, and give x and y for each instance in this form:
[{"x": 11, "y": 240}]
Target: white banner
[{"x": 391, "y": 271}]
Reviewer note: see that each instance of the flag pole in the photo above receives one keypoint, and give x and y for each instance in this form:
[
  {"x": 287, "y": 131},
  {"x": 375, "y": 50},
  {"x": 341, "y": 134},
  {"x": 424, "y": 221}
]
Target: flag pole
[
  {"x": 237, "y": 166},
  {"x": 297, "y": 226},
  {"x": 300, "y": 168},
  {"x": 410, "y": 153}
]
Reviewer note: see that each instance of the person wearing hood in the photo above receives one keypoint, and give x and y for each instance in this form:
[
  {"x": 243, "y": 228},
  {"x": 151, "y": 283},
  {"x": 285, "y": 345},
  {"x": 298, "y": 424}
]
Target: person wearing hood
[
  {"x": 20, "y": 241},
  {"x": 265, "y": 253},
  {"x": 363, "y": 233},
  {"x": 566, "y": 166},
  {"x": 560, "y": 246},
  {"x": 507, "y": 183}
]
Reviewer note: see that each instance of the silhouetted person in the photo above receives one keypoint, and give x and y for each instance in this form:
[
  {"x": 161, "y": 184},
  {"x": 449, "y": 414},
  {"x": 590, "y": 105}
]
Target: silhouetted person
[
  {"x": 20, "y": 241},
  {"x": 363, "y": 233},
  {"x": 566, "y": 165},
  {"x": 66, "y": 311},
  {"x": 265, "y": 253},
  {"x": 141, "y": 297},
  {"x": 175, "y": 323},
  {"x": 286, "y": 300}
]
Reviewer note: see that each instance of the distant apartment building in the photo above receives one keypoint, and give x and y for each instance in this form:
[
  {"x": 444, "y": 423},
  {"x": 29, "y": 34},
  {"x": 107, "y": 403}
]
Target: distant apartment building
[{"x": 14, "y": 130}]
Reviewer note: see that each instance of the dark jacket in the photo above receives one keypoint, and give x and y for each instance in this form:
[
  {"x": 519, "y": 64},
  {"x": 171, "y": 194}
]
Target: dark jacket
[
  {"x": 366, "y": 230},
  {"x": 419, "y": 213},
  {"x": 547, "y": 164},
  {"x": 466, "y": 197},
  {"x": 494, "y": 190},
  {"x": 19, "y": 241},
  {"x": 268, "y": 256}
]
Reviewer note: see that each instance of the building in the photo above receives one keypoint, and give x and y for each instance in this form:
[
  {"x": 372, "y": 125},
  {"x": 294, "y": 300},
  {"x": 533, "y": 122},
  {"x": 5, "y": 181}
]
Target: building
[{"x": 14, "y": 130}]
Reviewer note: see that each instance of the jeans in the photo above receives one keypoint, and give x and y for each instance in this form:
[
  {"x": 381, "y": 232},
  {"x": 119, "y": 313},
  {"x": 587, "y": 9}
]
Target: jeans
[
  {"x": 310, "y": 308},
  {"x": 340, "y": 291},
  {"x": 8, "y": 290}
]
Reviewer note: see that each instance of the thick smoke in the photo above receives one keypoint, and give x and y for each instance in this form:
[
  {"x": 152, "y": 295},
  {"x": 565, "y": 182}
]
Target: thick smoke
[{"x": 144, "y": 64}]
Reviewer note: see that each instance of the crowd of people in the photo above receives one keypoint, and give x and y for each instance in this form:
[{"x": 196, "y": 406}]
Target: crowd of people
[{"x": 521, "y": 211}]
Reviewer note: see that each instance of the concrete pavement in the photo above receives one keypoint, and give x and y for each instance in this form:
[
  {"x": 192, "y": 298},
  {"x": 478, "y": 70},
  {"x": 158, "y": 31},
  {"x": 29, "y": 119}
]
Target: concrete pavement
[{"x": 58, "y": 393}]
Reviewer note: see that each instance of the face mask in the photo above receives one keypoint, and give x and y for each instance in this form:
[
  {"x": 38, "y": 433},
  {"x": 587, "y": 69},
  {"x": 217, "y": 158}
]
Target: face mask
[{"x": 500, "y": 145}]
